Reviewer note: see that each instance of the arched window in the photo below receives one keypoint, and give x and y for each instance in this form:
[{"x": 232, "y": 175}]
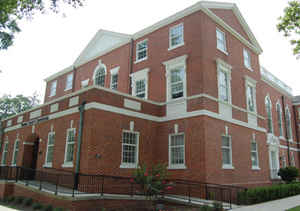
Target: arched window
[
  {"x": 99, "y": 74},
  {"x": 269, "y": 114},
  {"x": 279, "y": 118},
  {"x": 288, "y": 123}
]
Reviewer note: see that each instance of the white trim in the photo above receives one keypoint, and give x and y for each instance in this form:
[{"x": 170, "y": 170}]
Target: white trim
[
  {"x": 137, "y": 51},
  {"x": 181, "y": 165},
  {"x": 14, "y": 152},
  {"x": 67, "y": 77},
  {"x": 225, "y": 41},
  {"x": 281, "y": 125},
  {"x": 247, "y": 53},
  {"x": 227, "y": 166},
  {"x": 131, "y": 165},
  {"x": 140, "y": 75},
  {"x": 49, "y": 164},
  {"x": 53, "y": 93},
  {"x": 97, "y": 68},
  {"x": 69, "y": 163},
  {"x": 290, "y": 128},
  {"x": 267, "y": 98},
  {"x": 115, "y": 70},
  {"x": 28, "y": 143},
  {"x": 6, "y": 153},
  {"x": 170, "y": 41}
]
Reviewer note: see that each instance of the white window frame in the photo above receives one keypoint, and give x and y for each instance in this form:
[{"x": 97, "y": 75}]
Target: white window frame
[
  {"x": 69, "y": 81},
  {"x": 4, "y": 154},
  {"x": 114, "y": 72},
  {"x": 53, "y": 87},
  {"x": 254, "y": 167},
  {"x": 14, "y": 159},
  {"x": 279, "y": 119},
  {"x": 181, "y": 165},
  {"x": 227, "y": 166},
  {"x": 49, "y": 164},
  {"x": 171, "y": 47},
  {"x": 178, "y": 62},
  {"x": 267, "y": 98},
  {"x": 251, "y": 83},
  {"x": 69, "y": 163},
  {"x": 247, "y": 59},
  {"x": 98, "y": 68},
  {"x": 130, "y": 165},
  {"x": 138, "y": 76},
  {"x": 288, "y": 123},
  {"x": 223, "y": 41},
  {"x": 137, "y": 59},
  {"x": 293, "y": 163},
  {"x": 225, "y": 68},
  {"x": 283, "y": 161}
]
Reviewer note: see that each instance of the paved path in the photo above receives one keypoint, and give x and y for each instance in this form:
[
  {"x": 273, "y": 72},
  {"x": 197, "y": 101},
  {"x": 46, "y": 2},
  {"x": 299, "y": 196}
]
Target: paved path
[{"x": 277, "y": 205}]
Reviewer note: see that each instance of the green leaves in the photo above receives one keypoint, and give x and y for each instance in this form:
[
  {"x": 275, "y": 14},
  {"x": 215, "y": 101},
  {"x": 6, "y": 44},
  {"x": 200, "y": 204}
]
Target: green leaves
[
  {"x": 13, "y": 10},
  {"x": 289, "y": 24}
]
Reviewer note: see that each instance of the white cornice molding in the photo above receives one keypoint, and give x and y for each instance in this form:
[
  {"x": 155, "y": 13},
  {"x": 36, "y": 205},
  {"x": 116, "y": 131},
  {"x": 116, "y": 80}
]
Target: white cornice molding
[{"x": 62, "y": 72}]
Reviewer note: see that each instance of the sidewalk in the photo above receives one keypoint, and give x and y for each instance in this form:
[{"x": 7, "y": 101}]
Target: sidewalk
[{"x": 276, "y": 205}]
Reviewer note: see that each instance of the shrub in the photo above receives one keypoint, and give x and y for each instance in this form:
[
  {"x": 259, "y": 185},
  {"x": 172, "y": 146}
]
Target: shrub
[
  {"x": 10, "y": 199},
  {"x": 263, "y": 194},
  {"x": 27, "y": 202},
  {"x": 19, "y": 200},
  {"x": 206, "y": 208},
  {"x": 48, "y": 208},
  {"x": 288, "y": 174},
  {"x": 58, "y": 209},
  {"x": 37, "y": 206}
]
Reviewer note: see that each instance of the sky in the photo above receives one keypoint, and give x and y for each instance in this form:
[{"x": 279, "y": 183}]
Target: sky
[{"x": 51, "y": 42}]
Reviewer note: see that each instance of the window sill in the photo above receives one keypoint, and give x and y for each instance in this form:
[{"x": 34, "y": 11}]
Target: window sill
[
  {"x": 225, "y": 52},
  {"x": 249, "y": 68},
  {"x": 47, "y": 165},
  {"x": 68, "y": 89},
  {"x": 3, "y": 165},
  {"x": 227, "y": 167},
  {"x": 128, "y": 166},
  {"x": 282, "y": 138},
  {"x": 256, "y": 168},
  {"x": 140, "y": 60},
  {"x": 13, "y": 165},
  {"x": 175, "y": 46},
  {"x": 177, "y": 166},
  {"x": 67, "y": 165}
]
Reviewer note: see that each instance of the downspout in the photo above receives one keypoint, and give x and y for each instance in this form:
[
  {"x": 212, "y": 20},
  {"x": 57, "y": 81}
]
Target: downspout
[
  {"x": 131, "y": 64},
  {"x": 79, "y": 140},
  {"x": 286, "y": 130}
]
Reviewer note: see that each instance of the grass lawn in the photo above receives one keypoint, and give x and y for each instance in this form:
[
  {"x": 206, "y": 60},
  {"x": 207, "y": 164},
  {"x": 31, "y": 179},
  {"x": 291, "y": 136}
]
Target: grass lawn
[{"x": 294, "y": 209}]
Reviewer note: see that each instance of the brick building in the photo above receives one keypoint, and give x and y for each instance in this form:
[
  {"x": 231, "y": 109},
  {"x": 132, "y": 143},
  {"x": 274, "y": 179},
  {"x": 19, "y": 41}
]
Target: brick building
[{"x": 188, "y": 91}]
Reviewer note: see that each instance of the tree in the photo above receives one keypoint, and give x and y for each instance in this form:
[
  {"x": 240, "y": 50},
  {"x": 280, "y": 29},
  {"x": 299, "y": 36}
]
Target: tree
[
  {"x": 13, "y": 10},
  {"x": 10, "y": 106},
  {"x": 290, "y": 25}
]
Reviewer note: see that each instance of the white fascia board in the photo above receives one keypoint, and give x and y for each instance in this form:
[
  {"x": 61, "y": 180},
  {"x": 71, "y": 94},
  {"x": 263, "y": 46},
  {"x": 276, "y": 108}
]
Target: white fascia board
[{"x": 62, "y": 72}]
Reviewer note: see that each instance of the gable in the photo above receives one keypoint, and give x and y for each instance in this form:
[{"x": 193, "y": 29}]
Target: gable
[
  {"x": 229, "y": 17},
  {"x": 102, "y": 42}
]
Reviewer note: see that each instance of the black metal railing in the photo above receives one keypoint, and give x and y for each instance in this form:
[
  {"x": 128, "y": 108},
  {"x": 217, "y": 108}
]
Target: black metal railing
[{"x": 64, "y": 182}]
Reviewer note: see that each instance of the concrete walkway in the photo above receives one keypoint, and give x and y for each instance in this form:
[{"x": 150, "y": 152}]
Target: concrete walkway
[{"x": 276, "y": 205}]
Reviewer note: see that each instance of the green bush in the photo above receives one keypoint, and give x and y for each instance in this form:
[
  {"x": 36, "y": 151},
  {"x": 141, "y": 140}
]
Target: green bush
[
  {"x": 19, "y": 200},
  {"x": 263, "y": 194},
  {"x": 10, "y": 199},
  {"x": 58, "y": 209},
  {"x": 27, "y": 202},
  {"x": 288, "y": 174},
  {"x": 206, "y": 208},
  {"x": 48, "y": 208},
  {"x": 37, "y": 206}
]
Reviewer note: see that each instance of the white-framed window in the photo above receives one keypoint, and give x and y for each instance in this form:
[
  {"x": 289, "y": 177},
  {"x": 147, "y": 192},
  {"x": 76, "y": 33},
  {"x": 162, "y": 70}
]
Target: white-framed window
[
  {"x": 298, "y": 113},
  {"x": 139, "y": 83},
  {"x": 53, "y": 88},
  {"x": 50, "y": 149},
  {"x": 99, "y": 74},
  {"x": 69, "y": 82},
  {"x": 224, "y": 81},
  {"x": 221, "y": 41},
  {"x": 254, "y": 155},
  {"x": 268, "y": 105},
  {"x": 283, "y": 161},
  {"x": 176, "y": 151},
  {"x": 247, "y": 59},
  {"x": 4, "y": 153},
  {"x": 279, "y": 118},
  {"x": 176, "y": 77},
  {"x": 142, "y": 50},
  {"x": 288, "y": 124},
  {"x": 226, "y": 152},
  {"x": 292, "y": 159},
  {"x": 130, "y": 149},
  {"x": 70, "y": 147},
  {"x": 114, "y": 78},
  {"x": 251, "y": 94},
  {"x": 176, "y": 36},
  {"x": 15, "y": 153}
]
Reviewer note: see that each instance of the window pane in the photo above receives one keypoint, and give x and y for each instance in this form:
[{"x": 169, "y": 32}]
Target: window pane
[
  {"x": 176, "y": 35},
  {"x": 221, "y": 42},
  {"x": 100, "y": 77},
  {"x": 177, "y": 149},
  {"x": 70, "y": 153},
  {"x": 226, "y": 150},
  {"x": 129, "y": 147},
  {"x": 140, "y": 88},
  {"x": 226, "y": 156},
  {"x": 177, "y": 76},
  {"x": 223, "y": 86},
  {"x": 250, "y": 98}
]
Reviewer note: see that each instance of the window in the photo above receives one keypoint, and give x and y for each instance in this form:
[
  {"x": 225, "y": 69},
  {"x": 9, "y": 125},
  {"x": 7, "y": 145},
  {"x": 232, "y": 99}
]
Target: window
[
  {"x": 176, "y": 36},
  {"x": 254, "y": 155},
  {"x": 176, "y": 151},
  {"x": 50, "y": 149},
  {"x": 15, "y": 153},
  {"x": 53, "y": 88},
  {"x": 114, "y": 82},
  {"x": 247, "y": 59},
  {"x": 140, "y": 89},
  {"x": 70, "y": 146},
  {"x": 130, "y": 145},
  {"x": 99, "y": 74},
  {"x": 69, "y": 82},
  {"x": 223, "y": 86},
  {"x": 292, "y": 159},
  {"x": 283, "y": 161},
  {"x": 226, "y": 152},
  {"x": 298, "y": 113},
  {"x": 221, "y": 41},
  {"x": 268, "y": 105},
  {"x": 250, "y": 93},
  {"x": 177, "y": 77},
  {"x": 288, "y": 124},
  {"x": 4, "y": 154},
  {"x": 141, "y": 50},
  {"x": 139, "y": 81},
  {"x": 279, "y": 119}
]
